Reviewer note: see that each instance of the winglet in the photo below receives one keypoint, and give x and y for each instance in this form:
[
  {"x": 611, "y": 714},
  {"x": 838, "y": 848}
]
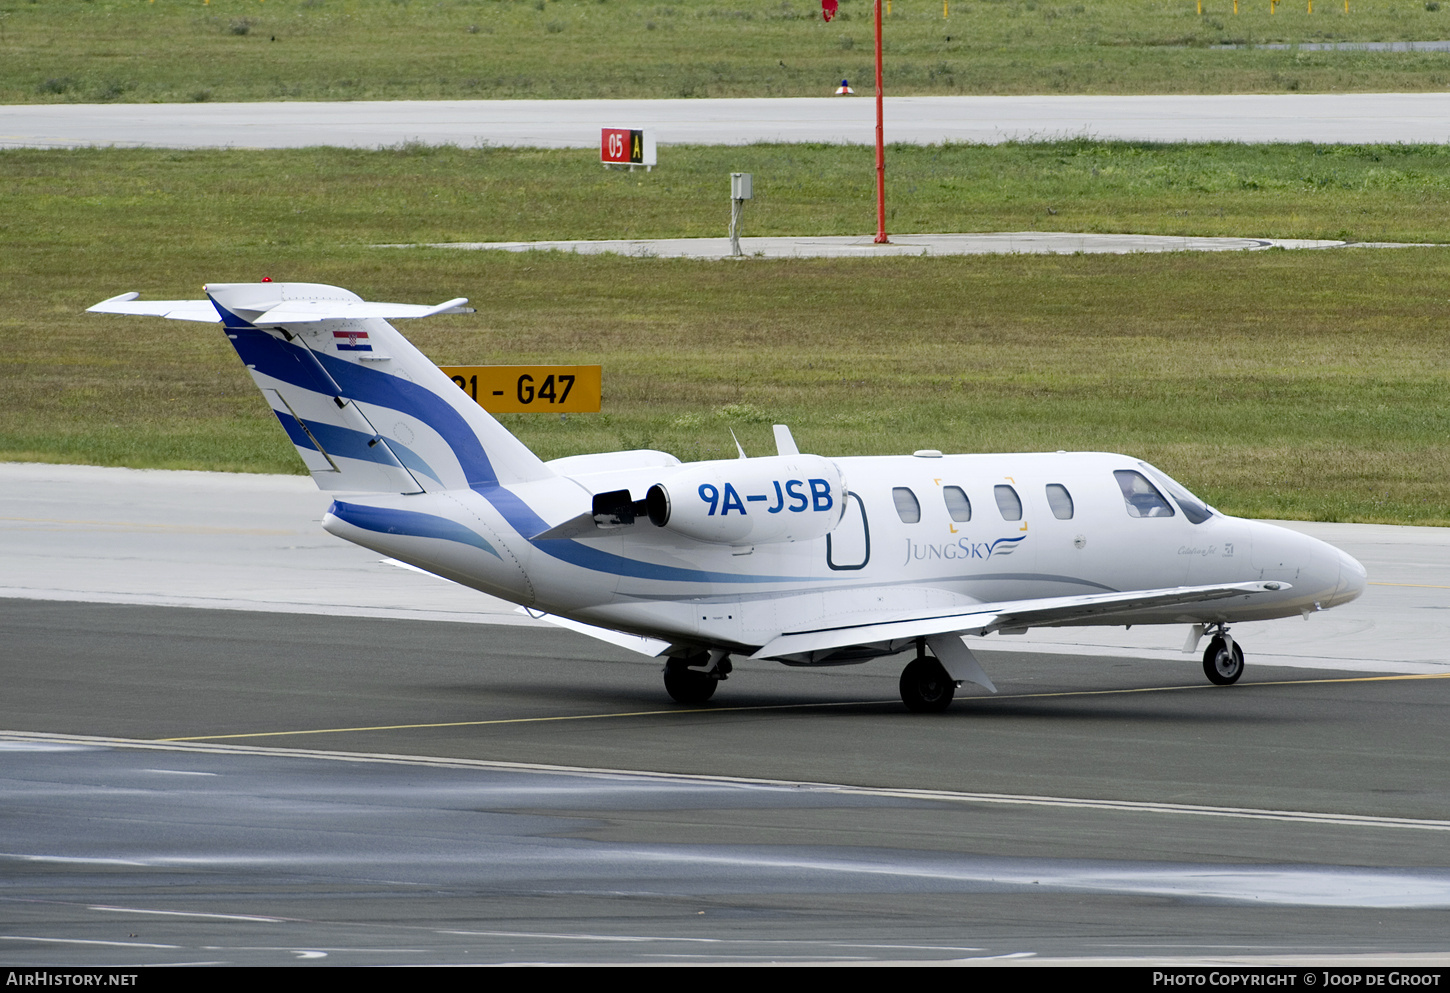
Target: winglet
[
  {"x": 454, "y": 306},
  {"x": 118, "y": 298}
]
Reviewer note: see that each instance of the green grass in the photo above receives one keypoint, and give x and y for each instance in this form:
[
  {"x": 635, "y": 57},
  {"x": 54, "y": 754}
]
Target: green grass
[
  {"x": 323, "y": 198},
  {"x": 225, "y": 50},
  {"x": 1290, "y": 384}
]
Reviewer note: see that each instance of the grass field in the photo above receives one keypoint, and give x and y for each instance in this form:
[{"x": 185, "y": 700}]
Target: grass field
[
  {"x": 1290, "y": 384},
  {"x": 325, "y": 198},
  {"x": 225, "y": 50}
]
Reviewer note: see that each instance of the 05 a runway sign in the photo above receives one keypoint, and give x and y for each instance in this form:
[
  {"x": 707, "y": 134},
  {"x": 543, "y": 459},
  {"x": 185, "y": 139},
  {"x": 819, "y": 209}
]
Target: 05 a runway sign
[{"x": 531, "y": 389}]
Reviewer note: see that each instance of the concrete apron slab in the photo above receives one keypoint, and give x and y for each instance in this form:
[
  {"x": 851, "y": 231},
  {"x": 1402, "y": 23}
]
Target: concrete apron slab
[{"x": 863, "y": 246}]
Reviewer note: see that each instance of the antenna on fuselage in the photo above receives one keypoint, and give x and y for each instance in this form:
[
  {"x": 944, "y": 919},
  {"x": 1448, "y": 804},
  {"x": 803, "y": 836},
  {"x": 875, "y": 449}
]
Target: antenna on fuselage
[
  {"x": 737, "y": 444},
  {"x": 784, "y": 442}
]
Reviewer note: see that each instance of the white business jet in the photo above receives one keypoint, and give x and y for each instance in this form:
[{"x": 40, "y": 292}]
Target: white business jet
[{"x": 801, "y": 559}]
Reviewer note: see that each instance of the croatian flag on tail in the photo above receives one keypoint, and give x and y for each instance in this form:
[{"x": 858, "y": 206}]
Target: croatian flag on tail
[{"x": 351, "y": 341}]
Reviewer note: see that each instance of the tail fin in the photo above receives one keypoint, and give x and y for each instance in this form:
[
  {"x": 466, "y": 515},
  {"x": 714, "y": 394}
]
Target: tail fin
[{"x": 366, "y": 410}]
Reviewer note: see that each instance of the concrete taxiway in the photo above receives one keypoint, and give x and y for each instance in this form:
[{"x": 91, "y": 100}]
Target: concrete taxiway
[
  {"x": 1344, "y": 118},
  {"x": 847, "y": 246},
  {"x": 372, "y": 791},
  {"x": 232, "y": 738}
]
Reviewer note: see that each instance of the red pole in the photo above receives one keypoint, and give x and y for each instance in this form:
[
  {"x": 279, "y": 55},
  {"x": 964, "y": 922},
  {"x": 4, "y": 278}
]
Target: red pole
[{"x": 881, "y": 238}]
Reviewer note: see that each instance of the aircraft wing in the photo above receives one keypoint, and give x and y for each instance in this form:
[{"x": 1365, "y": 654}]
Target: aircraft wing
[
  {"x": 177, "y": 310},
  {"x": 1008, "y": 615}
]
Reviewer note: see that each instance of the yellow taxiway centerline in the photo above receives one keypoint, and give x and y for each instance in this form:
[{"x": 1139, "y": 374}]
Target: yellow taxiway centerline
[{"x": 789, "y": 706}]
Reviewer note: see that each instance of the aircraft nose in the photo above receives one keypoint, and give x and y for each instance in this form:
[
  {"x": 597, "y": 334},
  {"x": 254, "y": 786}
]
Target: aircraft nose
[{"x": 1352, "y": 579}]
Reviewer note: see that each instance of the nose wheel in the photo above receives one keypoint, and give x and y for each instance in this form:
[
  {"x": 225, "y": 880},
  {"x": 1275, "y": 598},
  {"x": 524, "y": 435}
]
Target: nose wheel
[{"x": 1223, "y": 662}]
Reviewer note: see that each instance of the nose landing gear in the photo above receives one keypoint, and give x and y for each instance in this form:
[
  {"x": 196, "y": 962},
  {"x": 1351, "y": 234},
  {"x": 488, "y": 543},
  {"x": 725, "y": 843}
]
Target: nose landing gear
[{"x": 1223, "y": 662}]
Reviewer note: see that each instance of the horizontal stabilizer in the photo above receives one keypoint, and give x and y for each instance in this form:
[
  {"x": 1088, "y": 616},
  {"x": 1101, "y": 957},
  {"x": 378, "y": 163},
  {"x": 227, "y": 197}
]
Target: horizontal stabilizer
[
  {"x": 288, "y": 312},
  {"x": 1009, "y": 615},
  {"x": 308, "y": 311},
  {"x": 177, "y": 310},
  {"x": 366, "y": 410}
]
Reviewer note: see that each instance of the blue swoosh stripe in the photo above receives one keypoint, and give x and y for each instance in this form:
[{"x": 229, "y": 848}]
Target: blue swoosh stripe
[
  {"x": 296, "y": 364},
  {"x": 350, "y": 444},
  {"x": 412, "y": 460},
  {"x": 282, "y": 361},
  {"x": 386, "y": 520},
  {"x": 353, "y": 444},
  {"x": 294, "y": 430},
  {"x": 521, "y": 518},
  {"x": 1009, "y": 541},
  {"x": 386, "y": 390}
]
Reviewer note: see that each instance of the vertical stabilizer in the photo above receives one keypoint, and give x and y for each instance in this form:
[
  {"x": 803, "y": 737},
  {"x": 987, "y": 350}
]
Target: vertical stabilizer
[{"x": 366, "y": 410}]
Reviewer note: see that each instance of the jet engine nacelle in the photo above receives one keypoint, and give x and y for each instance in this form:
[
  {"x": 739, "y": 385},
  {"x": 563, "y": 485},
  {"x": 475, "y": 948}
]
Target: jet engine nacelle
[{"x": 751, "y": 501}]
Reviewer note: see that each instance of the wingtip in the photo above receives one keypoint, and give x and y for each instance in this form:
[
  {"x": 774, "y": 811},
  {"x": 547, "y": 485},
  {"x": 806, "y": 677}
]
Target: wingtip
[{"x": 118, "y": 298}]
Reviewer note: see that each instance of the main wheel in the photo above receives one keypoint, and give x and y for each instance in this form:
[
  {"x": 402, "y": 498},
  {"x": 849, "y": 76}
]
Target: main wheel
[
  {"x": 1222, "y": 666},
  {"x": 686, "y": 685},
  {"x": 925, "y": 687}
]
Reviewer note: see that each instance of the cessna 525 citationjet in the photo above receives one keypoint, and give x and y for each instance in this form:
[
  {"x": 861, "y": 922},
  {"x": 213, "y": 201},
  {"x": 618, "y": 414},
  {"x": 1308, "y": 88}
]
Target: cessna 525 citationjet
[{"x": 802, "y": 559}]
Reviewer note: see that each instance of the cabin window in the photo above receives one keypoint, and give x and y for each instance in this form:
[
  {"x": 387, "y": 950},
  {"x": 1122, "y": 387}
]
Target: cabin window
[
  {"x": 1060, "y": 501},
  {"x": 1008, "y": 502},
  {"x": 906, "y": 506},
  {"x": 1193, "y": 508},
  {"x": 1141, "y": 497},
  {"x": 957, "y": 503}
]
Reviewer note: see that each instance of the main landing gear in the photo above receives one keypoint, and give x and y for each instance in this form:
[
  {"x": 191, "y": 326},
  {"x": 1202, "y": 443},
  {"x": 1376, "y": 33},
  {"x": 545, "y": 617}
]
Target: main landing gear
[
  {"x": 1223, "y": 662},
  {"x": 925, "y": 686},
  {"x": 693, "y": 678}
]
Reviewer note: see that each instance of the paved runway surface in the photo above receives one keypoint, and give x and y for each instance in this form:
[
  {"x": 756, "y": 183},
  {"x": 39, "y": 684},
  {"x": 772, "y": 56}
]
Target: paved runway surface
[
  {"x": 1102, "y": 807},
  {"x": 1349, "y": 118}
]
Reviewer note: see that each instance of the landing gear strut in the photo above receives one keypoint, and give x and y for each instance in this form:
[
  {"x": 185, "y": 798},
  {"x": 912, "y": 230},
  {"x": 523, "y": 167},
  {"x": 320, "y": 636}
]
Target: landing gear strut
[
  {"x": 1223, "y": 662},
  {"x": 925, "y": 686},
  {"x": 693, "y": 678}
]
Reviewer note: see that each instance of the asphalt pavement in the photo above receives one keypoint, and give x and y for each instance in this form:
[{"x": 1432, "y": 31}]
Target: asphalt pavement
[{"x": 1345, "y": 118}]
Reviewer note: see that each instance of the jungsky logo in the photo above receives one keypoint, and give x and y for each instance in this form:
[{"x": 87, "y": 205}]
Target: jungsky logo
[{"x": 962, "y": 548}]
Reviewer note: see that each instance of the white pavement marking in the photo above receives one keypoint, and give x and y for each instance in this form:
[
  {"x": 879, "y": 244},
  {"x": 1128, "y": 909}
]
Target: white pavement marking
[
  {"x": 251, "y": 542},
  {"x": 1341, "y": 118},
  {"x": 852, "y": 246},
  {"x": 688, "y": 780},
  {"x": 83, "y": 941},
  {"x": 188, "y": 913}
]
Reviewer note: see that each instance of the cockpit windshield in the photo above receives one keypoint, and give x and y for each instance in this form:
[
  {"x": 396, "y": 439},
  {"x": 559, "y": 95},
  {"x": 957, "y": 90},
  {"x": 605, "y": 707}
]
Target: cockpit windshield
[{"x": 1193, "y": 508}]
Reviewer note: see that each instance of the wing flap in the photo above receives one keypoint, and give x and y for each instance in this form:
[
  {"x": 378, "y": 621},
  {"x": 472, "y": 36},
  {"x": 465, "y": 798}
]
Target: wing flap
[{"x": 988, "y": 617}]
